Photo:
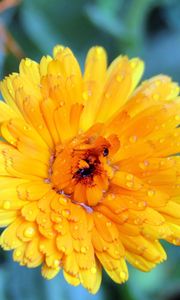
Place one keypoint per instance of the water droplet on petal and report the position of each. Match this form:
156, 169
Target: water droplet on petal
156, 96
28, 62
6, 204
99, 50
177, 117
93, 270
41, 247
129, 184
61, 103
108, 223
137, 221
129, 177
26, 127
151, 193
62, 248
85, 96
133, 139
18, 253
66, 213
29, 232
40, 127
63, 200
56, 263
119, 78
83, 250
123, 275
158, 82
133, 63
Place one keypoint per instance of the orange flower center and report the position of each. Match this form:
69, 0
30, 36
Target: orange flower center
81, 169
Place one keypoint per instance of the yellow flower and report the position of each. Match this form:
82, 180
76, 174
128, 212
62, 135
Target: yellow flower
89, 176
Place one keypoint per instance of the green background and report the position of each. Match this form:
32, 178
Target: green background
146, 28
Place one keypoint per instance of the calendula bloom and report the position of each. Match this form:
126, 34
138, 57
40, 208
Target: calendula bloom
89, 176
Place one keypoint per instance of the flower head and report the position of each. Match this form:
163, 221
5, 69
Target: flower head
89, 176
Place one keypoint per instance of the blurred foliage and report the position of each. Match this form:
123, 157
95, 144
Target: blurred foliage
146, 28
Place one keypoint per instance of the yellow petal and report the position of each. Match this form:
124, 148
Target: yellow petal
71, 279
91, 279
122, 77
49, 273
7, 217
9, 239
139, 262
94, 75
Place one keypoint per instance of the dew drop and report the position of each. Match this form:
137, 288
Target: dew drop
129, 177
44, 220
151, 193
108, 223
62, 248
27, 62
66, 213
40, 127
26, 127
6, 204
18, 253
176, 90
29, 232
63, 200
123, 275
61, 103
134, 63
137, 221
177, 117
93, 270
56, 263
156, 96
119, 78
142, 204
57, 219
83, 250
85, 96
157, 82
129, 184
60, 227
133, 139
42, 247
98, 50
144, 164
